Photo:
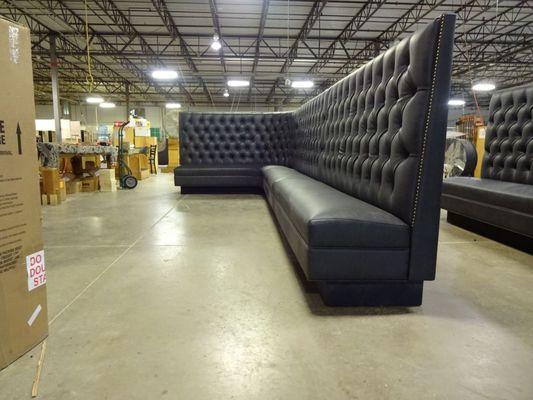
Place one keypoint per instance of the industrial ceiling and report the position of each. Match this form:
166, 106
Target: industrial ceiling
265, 41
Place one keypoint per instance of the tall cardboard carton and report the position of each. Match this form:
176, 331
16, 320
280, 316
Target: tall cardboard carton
23, 310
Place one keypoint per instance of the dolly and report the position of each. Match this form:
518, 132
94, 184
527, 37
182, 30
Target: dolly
126, 178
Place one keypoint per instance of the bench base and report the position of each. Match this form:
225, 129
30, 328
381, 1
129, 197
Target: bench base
371, 294
221, 190
509, 238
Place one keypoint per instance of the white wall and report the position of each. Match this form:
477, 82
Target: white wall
87, 114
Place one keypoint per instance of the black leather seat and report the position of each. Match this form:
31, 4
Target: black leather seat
216, 175
326, 217
219, 170
275, 173
503, 198
514, 196
353, 176
320, 220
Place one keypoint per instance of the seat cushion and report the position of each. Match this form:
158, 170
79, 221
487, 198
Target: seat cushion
275, 173
510, 195
218, 170
326, 217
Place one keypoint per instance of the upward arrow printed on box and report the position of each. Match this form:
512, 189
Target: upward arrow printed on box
19, 141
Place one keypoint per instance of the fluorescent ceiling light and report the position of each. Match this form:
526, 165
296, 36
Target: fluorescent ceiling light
107, 105
238, 83
164, 74
226, 93
216, 45
173, 105
456, 102
302, 84
484, 87
94, 100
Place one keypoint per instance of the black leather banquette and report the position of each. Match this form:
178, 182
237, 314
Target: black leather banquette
353, 176
503, 197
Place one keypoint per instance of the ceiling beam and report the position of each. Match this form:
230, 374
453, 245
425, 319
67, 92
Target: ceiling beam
347, 34
119, 19
20, 15
258, 40
216, 26
168, 21
314, 15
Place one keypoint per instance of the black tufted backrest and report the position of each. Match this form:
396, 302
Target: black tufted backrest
231, 138
509, 137
364, 134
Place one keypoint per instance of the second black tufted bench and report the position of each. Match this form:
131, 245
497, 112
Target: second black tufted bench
500, 204
353, 176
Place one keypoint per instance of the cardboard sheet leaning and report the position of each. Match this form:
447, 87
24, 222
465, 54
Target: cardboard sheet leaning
23, 310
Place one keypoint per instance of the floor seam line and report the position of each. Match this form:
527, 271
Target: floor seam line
84, 290
86, 245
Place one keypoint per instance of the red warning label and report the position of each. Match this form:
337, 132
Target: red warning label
36, 270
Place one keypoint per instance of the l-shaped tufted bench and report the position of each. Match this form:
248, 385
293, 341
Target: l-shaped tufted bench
500, 204
353, 176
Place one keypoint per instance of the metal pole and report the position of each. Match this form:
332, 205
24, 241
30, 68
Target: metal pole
55, 87
127, 101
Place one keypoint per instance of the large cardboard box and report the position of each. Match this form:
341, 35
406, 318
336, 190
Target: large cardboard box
89, 184
23, 310
106, 180
73, 187
51, 181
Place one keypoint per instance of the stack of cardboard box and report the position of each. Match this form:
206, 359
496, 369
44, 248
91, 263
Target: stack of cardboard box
53, 187
107, 181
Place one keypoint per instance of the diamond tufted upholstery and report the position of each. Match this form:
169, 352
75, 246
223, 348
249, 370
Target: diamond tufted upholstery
509, 137
362, 136
503, 197
354, 175
229, 149
221, 139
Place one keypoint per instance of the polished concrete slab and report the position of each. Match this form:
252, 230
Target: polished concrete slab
154, 295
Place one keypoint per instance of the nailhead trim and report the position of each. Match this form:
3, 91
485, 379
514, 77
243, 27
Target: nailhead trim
426, 128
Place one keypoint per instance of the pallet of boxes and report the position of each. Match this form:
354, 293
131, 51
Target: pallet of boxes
55, 186
23, 308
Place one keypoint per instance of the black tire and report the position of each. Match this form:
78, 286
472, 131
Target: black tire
129, 182
471, 158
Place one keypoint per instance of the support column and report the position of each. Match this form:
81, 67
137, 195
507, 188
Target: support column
55, 86
127, 101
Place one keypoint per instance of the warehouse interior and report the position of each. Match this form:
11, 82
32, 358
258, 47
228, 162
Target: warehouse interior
266, 199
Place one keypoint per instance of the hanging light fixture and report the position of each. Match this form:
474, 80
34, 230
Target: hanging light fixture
238, 83
226, 93
164, 74
456, 102
216, 45
485, 86
303, 84
94, 100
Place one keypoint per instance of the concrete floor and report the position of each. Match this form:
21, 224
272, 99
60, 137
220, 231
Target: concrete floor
153, 295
